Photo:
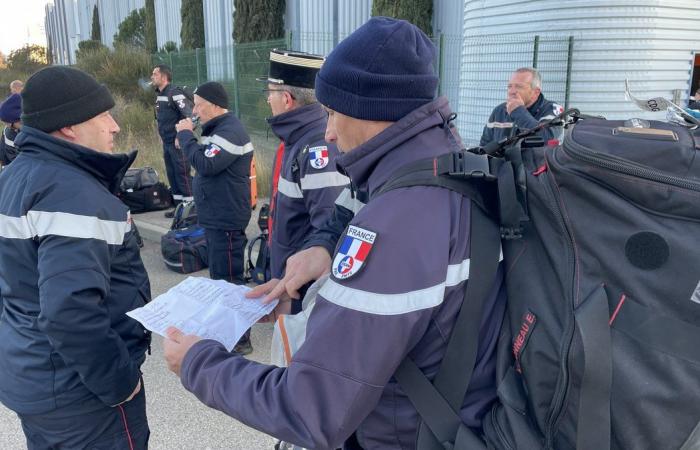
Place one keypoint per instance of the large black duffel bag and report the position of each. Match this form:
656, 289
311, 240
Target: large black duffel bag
185, 250
141, 191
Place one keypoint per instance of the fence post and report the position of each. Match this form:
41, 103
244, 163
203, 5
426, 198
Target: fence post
441, 63
535, 51
569, 57
236, 82
170, 58
289, 40
196, 61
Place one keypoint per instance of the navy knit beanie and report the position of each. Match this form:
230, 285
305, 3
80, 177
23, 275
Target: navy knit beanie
213, 92
58, 96
382, 71
11, 109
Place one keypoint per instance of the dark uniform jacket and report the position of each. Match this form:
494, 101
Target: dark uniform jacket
8, 151
171, 106
70, 269
502, 125
308, 185
400, 295
222, 183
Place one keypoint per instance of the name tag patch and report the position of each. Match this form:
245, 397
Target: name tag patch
353, 252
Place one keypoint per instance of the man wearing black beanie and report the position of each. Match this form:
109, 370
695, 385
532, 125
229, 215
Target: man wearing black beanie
222, 183
397, 280
70, 269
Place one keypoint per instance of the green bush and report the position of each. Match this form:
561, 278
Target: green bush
120, 69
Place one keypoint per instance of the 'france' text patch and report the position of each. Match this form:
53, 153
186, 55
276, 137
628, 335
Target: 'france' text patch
318, 157
353, 252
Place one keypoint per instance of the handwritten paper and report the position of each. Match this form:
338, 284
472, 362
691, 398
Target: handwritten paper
211, 309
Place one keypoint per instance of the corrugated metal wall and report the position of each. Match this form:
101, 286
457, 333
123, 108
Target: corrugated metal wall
218, 38
63, 29
447, 30
317, 25
168, 21
84, 9
112, 13
650, 42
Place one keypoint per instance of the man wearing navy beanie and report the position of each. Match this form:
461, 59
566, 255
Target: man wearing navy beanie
10, 111
397, 278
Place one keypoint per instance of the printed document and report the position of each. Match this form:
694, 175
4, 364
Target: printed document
211, 309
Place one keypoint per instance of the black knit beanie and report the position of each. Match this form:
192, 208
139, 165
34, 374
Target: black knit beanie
59, 96
213, 92
382, 71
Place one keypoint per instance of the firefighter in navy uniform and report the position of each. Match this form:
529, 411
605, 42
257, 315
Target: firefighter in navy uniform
10, 111
524, 109
305, 183
221, 183
172, 105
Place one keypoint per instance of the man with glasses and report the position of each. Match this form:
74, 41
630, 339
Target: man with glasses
305, 182
524, 109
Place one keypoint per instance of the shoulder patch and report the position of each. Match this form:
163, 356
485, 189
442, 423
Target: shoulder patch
318, 157
353, 252
557, 109
212, 151
181, 103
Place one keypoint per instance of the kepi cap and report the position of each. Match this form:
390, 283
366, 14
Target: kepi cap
293, 68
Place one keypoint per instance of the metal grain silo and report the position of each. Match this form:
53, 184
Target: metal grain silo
218, 38
649, 42
168, 21
112, 13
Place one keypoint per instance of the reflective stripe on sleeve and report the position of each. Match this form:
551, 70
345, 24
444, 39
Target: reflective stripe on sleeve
346, 200
9, 142
289, 189
178, 97
43, 223
499, 125
227, 145
323, 180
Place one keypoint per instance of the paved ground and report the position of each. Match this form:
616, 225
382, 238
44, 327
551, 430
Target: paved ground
177, 419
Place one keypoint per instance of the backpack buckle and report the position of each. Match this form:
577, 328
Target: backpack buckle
468, 165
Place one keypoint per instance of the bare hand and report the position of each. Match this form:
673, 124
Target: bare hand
514, 102
133, 394
284, 306
184, 124
302, 267
176, 346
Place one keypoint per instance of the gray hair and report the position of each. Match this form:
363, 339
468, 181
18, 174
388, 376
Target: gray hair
16, 85
302, 96
536, 82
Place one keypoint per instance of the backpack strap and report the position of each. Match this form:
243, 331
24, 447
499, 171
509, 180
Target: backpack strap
439, 403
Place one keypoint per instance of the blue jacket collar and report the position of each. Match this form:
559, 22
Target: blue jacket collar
373, 162
208, 127
292, 125
107, 168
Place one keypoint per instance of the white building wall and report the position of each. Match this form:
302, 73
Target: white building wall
168, 22
218, 38
112, 13
649, 42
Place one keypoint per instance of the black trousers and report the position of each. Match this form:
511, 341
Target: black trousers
177, 168
90, 424
225, 249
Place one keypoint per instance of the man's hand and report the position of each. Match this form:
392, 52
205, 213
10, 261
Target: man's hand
175, 348
284, 306
184, 124
307, 265
514, 102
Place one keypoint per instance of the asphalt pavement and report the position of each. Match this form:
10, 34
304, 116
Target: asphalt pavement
177, 419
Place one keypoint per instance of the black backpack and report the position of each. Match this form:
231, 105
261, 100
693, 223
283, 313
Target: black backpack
260, 270
601, 245
185, 250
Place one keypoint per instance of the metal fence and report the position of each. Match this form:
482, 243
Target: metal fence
473, 71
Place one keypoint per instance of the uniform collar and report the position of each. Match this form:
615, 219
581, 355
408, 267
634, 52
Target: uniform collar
537, 106
107, 168
373, 162
292, 125
208, 127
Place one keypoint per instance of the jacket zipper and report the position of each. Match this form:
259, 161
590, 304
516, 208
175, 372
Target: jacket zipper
560, 393
578, 151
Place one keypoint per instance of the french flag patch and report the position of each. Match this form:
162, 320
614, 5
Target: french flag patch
353, 252
318, 157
